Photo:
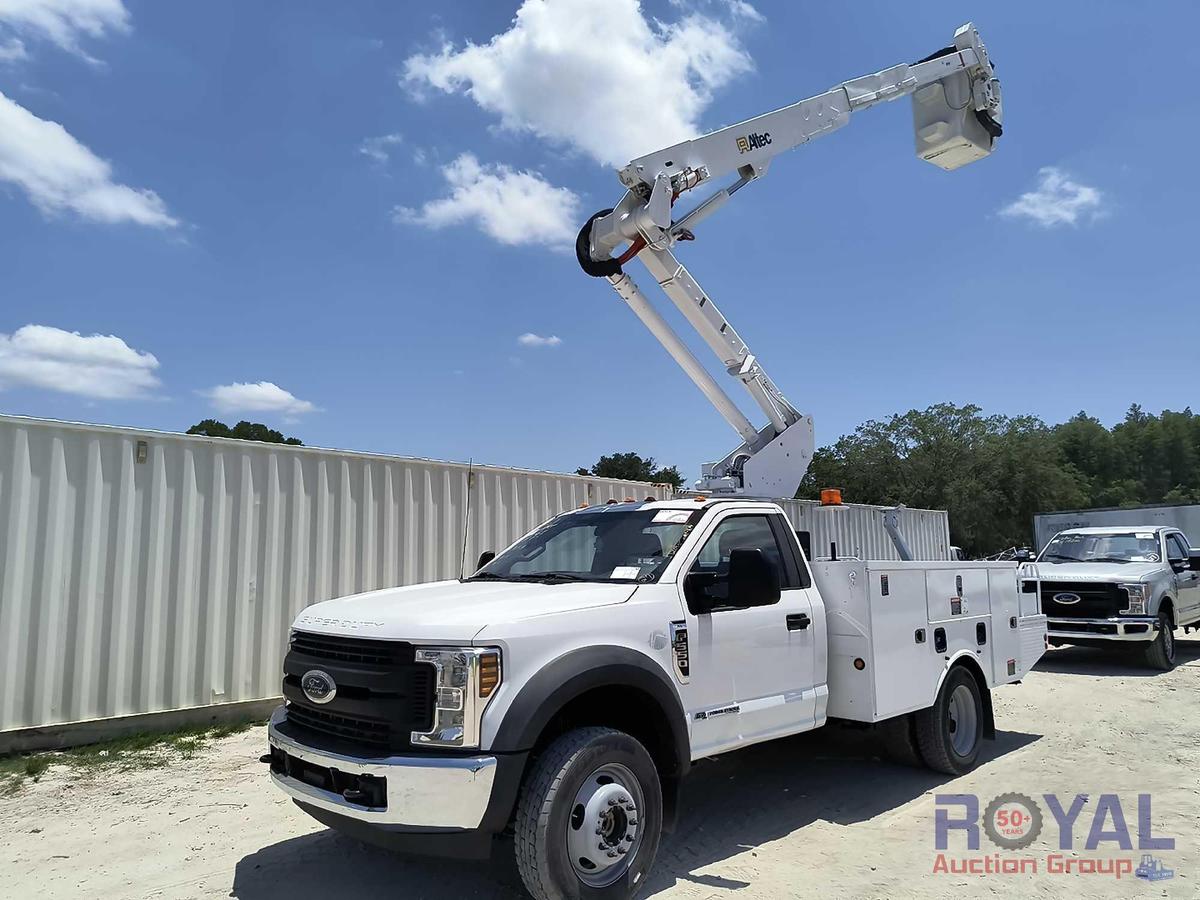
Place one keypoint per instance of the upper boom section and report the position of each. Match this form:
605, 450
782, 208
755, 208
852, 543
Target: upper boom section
963, 105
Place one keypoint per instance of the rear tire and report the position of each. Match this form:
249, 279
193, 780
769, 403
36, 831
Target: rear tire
950, 732
592, 786
1160, 654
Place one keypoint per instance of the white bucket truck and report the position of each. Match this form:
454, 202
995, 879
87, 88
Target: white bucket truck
563, 691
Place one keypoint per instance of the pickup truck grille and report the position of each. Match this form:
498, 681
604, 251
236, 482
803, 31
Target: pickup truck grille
1096, 600
383, 694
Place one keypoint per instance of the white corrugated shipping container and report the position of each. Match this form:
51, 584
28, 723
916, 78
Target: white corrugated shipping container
1185, 518
858, 530
142, 571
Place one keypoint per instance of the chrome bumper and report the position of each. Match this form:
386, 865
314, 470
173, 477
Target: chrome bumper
1114, 628
422, 791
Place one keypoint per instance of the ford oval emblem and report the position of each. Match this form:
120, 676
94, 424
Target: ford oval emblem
1066, 599
318, 686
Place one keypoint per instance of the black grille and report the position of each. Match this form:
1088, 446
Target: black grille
347, 728
351, 650
383, 694
1096, 601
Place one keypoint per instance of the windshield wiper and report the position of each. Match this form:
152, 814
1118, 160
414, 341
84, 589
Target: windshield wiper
487, 576
557, 576
1107, 559
1060, 556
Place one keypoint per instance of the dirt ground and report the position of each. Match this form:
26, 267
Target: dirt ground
814, 816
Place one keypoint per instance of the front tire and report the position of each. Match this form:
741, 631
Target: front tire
950, 733
589, 818
1160, 654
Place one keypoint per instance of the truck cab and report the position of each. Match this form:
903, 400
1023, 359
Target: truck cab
563, 690
1120, 586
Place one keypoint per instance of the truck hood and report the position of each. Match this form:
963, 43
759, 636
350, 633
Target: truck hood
452, 610
1107, 573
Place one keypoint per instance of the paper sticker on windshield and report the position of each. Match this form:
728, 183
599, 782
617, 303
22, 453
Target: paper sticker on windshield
673, 516
626, 572
1144, 536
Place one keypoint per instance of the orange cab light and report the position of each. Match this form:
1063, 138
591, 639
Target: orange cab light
831, 496
630, 500
583, 505
701, 499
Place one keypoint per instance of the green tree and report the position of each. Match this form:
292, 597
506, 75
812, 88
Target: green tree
242, 431
992, 473
632, 467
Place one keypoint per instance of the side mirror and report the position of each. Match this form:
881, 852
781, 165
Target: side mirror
1194, 561
753, 581
484, 558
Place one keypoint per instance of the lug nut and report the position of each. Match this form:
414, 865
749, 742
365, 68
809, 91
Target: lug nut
613, 801
622, 850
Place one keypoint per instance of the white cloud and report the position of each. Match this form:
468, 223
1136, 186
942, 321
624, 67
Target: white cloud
597, 76
379, 148
512, 207
13, 50
99, 366
260, 397
746, 11
59, 174
65, 22
529, 339
1058, 200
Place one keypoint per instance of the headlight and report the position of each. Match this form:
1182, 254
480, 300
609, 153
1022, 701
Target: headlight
465, 679
1139, 598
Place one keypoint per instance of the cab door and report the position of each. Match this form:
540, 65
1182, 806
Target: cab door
1187, 582
763, 658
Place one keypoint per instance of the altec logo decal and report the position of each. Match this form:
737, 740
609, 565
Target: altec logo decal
753, 141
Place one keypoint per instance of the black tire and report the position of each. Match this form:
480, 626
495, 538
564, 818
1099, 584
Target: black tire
899, 738
937, 730
545, 812
1160, 654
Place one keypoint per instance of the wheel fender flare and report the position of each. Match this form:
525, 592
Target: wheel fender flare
967, 660
574, 673
1166, 603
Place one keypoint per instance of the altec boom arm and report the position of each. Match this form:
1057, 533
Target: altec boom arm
956, 119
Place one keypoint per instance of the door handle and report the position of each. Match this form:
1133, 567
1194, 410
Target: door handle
798, 621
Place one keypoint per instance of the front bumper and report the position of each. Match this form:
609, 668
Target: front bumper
413, 792
1114, 628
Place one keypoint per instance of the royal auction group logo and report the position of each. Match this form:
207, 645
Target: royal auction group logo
1013, 822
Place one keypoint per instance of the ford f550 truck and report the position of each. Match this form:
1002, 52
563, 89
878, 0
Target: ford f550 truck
563, 691
1120, 586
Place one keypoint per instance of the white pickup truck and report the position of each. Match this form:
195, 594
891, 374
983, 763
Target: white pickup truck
563, 691
1120, 585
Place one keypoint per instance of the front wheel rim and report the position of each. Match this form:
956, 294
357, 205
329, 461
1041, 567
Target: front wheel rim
604, 827
963, 720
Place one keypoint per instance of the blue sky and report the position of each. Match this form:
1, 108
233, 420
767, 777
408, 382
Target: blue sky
341, 219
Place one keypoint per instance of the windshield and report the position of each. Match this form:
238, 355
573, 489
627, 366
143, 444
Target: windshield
604, 544
1133, 546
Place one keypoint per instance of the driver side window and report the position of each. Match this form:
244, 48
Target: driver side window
739, 533
1176, 551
